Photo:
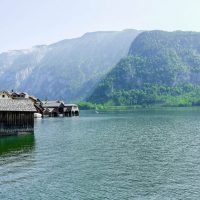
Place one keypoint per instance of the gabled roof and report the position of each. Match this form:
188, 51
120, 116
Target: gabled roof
69, 105
24, 105
52, 104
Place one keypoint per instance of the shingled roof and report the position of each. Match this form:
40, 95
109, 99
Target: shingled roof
52, 104
24, 105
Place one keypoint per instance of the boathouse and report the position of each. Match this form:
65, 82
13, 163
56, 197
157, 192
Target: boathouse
53, 108
71, 110
59, 109
16, 116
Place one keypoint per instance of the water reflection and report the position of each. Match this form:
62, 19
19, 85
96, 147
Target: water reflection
14, 144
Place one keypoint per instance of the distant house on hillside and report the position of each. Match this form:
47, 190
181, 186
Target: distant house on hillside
16, 116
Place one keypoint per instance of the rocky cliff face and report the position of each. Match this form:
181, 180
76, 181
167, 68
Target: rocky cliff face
69, 69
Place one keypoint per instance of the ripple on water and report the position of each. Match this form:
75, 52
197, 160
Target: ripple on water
144, 154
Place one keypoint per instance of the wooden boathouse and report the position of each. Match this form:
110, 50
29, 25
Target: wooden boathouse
59, 109
71, 110
16, 116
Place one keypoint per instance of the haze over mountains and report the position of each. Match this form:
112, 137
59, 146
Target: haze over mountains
69, 69
118, 67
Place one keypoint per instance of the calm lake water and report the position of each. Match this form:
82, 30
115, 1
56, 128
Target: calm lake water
143, 154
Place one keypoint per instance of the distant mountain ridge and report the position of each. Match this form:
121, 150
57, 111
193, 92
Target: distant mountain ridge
69, 69
161, 67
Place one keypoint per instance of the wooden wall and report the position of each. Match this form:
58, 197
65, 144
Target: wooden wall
12, 123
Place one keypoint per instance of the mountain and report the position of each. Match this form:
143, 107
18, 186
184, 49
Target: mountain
69, 69
160, 68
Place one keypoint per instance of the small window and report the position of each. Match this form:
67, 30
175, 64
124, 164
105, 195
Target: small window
3, 96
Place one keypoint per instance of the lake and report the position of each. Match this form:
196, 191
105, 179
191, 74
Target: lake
142, 154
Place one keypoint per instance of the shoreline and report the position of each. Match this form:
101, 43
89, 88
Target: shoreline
130, 108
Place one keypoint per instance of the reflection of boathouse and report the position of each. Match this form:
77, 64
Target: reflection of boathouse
16, 116
23, 144
59, 108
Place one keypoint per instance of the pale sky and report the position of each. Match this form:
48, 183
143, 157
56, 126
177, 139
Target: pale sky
25, 23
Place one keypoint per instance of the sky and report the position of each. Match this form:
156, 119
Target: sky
26, 23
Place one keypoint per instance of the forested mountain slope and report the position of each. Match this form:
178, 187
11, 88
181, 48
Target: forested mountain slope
161, 68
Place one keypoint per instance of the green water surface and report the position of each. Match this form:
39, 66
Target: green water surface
143, 154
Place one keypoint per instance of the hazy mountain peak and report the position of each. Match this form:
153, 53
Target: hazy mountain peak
68, 69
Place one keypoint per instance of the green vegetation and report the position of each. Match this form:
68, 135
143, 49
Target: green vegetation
185, 95
90, 106
162, 68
